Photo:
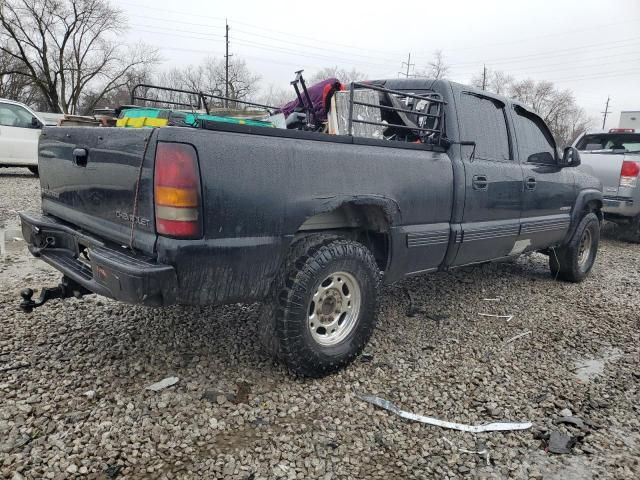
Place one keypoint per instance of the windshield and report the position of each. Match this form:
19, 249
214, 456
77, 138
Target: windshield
611, 142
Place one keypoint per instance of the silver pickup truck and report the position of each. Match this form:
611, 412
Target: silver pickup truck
614, 157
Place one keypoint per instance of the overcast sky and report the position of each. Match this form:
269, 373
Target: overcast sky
590, 47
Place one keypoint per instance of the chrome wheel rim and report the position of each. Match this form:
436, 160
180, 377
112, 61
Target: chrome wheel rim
334, 308
585, 249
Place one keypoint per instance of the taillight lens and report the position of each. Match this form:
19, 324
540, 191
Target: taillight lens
629, 174
177, 191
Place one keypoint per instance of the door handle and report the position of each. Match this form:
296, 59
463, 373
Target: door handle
480, 182
530, 183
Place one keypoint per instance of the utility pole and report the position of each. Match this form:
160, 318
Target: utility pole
484, 77
226, 65
409, 65
606, 111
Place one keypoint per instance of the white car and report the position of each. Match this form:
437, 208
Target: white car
19, 133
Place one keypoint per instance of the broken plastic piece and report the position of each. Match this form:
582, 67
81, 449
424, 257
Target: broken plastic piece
507, 317
481, 451
487, 427
523, 334
162, 384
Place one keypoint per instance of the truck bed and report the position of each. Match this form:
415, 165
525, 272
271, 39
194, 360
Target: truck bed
259, 186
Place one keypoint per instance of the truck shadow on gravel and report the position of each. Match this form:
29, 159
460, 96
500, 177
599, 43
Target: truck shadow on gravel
154, 343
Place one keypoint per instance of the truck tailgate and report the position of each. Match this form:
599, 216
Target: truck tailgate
606, 167
89, 178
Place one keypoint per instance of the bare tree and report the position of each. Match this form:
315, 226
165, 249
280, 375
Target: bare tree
209, 77
276, 96
495, 81
13, 82
242, 82
558, 108
344, 76
67, 48
119, 96
436, 68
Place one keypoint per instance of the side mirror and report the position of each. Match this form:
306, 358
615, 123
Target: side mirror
570, 157
35, 123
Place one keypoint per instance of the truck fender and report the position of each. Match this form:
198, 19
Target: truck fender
388, 206
585, 197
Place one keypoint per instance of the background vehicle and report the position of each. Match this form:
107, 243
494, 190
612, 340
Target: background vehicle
614, 157
50, 119
630, 119
308, 221
20, 129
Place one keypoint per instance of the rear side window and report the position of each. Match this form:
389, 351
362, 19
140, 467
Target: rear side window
484, 122
535, 142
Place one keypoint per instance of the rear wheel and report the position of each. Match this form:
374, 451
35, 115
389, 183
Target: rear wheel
33, 170
325, 305
574, 261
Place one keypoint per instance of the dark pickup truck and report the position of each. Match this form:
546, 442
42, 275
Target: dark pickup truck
307, 222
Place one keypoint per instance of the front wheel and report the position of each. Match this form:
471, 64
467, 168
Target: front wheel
574, 261
326, 305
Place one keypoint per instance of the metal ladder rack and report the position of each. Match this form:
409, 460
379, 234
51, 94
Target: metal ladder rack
200, 97
431, 97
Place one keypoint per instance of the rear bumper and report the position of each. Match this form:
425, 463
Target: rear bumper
105, 269
620, 207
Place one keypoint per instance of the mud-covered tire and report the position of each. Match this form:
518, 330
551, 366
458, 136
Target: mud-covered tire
33, 170
573, 261
326, 282
268, 317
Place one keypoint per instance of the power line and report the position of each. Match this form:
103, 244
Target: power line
573, 67
289, 51
173, 21
288, 35
629, 73
561, 52
504, 60
325, 41
538, 37
351, 61
315, 47
389, 73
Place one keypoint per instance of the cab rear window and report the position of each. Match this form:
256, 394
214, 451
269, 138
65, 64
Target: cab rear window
629, 142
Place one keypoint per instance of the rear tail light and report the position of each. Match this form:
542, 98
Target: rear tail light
629, 174
177, 191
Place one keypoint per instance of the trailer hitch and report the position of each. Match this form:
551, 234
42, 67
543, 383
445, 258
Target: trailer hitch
66, 289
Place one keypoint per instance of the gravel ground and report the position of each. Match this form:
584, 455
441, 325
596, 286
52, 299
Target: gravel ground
73, 378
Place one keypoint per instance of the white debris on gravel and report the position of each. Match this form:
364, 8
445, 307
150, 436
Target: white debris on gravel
485, 427
162, 384
273, 425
